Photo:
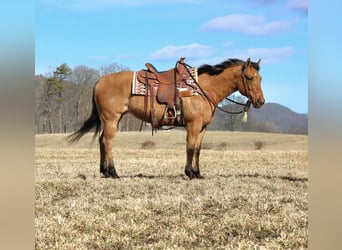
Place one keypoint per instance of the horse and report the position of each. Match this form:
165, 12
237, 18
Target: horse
112, 98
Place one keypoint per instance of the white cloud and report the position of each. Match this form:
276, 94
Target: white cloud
173, 52
247, 24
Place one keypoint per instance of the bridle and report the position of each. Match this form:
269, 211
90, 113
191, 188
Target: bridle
246, 105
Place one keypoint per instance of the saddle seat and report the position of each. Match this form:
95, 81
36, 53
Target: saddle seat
167, 76
167, 81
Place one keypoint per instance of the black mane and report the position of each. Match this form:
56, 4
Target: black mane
218, 68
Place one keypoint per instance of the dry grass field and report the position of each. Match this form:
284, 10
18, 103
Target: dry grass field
254, 194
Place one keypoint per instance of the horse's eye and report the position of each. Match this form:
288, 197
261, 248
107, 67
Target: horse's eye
249, 78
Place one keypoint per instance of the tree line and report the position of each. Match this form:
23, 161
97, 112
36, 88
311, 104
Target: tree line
63, 97
63, 101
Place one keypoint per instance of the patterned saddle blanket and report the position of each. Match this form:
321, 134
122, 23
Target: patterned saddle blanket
185, 88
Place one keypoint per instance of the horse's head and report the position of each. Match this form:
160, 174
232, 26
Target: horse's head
250, 85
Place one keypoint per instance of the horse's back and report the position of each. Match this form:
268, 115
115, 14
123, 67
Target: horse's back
118, 82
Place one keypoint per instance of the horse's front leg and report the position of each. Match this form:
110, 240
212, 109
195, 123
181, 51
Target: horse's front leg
188, 166
193, 148
196, 168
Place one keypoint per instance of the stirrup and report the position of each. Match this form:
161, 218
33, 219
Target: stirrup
170, 117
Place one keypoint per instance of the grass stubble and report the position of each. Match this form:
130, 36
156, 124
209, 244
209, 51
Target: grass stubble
250, 198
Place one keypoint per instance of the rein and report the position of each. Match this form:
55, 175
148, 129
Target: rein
246, 105
245, 109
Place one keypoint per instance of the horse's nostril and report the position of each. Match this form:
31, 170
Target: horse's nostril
261, 101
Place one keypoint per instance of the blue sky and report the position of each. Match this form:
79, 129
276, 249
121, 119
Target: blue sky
132, 32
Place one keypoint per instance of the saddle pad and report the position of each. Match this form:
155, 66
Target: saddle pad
138, 88
188, 89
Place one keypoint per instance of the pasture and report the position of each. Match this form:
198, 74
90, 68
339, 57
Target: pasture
254, 194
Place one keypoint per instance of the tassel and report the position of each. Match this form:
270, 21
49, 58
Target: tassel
244, 118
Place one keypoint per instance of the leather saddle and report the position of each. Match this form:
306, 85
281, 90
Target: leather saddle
167, 81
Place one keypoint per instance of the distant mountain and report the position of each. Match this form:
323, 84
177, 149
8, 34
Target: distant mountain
283, 118
272, 117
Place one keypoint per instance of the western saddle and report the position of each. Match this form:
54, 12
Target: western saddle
166, 84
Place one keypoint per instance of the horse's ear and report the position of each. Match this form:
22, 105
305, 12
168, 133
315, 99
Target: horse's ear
248, 62
258, 62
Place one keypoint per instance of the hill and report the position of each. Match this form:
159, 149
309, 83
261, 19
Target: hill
272, 117
283, 118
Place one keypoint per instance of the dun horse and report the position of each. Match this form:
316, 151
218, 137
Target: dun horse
112, 97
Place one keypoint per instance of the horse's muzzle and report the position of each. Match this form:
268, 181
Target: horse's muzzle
258, 102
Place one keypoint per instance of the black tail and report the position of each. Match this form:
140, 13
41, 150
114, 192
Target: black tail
89, 124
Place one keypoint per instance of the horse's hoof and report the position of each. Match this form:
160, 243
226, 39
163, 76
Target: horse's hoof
191, 174
198, 175
113, 173
105, 173
188, 173
108, 172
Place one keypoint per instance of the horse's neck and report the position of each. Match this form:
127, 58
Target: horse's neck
222, 85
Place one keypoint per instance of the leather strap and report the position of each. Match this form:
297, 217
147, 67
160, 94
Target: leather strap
153, 113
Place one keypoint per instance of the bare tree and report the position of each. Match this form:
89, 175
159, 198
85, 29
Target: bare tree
82, 79
49, 99
83, 75
40, 116
112, 68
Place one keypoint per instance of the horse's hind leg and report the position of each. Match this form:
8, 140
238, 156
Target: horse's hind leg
107, 167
